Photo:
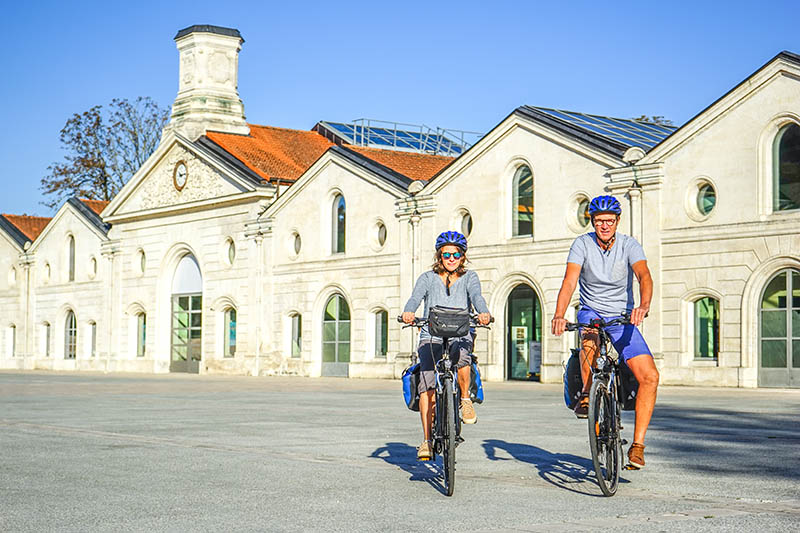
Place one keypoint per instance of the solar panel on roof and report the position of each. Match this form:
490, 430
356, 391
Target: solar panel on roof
389, 135
626, 131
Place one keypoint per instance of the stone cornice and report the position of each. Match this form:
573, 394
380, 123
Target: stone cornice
109, 249
649, 176
423, 206
258, 228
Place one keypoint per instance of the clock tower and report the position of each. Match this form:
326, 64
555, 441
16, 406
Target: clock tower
208, 93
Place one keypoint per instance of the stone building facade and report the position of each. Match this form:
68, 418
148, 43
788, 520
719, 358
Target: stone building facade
240, 248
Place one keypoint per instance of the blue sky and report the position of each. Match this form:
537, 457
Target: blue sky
462, 65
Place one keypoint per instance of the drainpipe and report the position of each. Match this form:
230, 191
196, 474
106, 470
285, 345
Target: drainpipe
260, 312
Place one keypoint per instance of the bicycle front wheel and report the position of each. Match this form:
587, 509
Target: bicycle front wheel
449, 448
604, 438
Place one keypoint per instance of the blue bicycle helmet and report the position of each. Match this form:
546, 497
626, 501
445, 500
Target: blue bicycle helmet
451, 237
604, 204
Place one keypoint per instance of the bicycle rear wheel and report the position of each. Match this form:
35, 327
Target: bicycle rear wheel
449, 447
604, 438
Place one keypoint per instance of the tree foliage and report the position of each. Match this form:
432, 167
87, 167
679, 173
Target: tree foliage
655, 119
105, 147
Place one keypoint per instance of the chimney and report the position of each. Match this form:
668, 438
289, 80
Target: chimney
208, 92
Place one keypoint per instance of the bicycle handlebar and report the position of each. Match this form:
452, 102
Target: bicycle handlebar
420, 321
596, 323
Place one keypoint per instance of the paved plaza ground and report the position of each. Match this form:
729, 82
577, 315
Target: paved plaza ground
86, 452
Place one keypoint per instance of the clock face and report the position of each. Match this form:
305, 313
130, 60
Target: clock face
180, 175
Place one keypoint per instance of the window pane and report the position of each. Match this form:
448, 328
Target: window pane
381, 333
339, 221
195, 333
775, 293
197, 320
344, 352
706, 327
706, 198
796, 323
523, 201
795, 288
183, 303
583, 213
328, 331
180, 320
344, 331
297, 328
788, 168
329, 352
344, 311
330, 309
197, 302
180, 353
773, 354
773, 323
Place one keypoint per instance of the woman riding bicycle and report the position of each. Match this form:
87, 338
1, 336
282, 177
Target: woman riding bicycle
447, 284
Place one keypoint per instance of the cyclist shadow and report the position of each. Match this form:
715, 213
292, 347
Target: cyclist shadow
564, 470
404, 456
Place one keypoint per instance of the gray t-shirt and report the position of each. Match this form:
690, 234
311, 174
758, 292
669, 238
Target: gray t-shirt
606, 280
465, 292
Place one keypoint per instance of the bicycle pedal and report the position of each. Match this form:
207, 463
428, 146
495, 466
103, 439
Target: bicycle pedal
624, 441
459, 439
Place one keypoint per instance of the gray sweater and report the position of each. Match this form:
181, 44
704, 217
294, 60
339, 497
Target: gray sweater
465, 293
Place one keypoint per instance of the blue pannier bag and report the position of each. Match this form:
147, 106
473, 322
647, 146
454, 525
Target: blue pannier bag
410, 380
573, 381
475, 384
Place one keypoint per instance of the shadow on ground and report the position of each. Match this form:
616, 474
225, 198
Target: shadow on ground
404, 456
564, 470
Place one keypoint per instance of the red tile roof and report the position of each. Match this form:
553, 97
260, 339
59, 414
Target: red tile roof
95, 205
410, 164
30, 226
274, 153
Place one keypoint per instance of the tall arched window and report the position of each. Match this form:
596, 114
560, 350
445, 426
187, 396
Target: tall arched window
786, 170
522, 207
71, 246
339, 224
780, 328
336, 334
381, 333
230, 332
706, 328
70, 336
297, 334
141, 334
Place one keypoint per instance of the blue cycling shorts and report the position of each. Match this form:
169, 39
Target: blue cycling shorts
627, 340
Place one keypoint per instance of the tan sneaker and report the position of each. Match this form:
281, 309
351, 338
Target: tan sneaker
468, 415
636, 456
424, 451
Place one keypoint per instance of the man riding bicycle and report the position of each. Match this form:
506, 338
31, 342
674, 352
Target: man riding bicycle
604, 262
448, 284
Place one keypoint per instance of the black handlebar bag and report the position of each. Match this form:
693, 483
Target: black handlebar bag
448, 322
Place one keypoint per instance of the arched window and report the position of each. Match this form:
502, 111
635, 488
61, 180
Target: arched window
230, 332
297, 334
381, 333
780, 322
786, 170
339, 223
706, 328
522, 207
70, 336
141, 334
187, 316
71, 246
336, 331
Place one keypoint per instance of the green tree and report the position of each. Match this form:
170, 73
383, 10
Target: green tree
105, 147
655, 119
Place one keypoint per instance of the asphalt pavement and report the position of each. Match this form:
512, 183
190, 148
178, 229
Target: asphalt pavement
125, 452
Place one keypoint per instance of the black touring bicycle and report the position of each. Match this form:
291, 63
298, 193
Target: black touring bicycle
447, 323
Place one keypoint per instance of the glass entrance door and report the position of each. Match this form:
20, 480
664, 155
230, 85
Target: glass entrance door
187, 322
336, 338
779, 328
524, 334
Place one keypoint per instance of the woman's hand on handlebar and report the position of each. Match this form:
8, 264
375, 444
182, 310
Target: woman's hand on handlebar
408, 318
484, 319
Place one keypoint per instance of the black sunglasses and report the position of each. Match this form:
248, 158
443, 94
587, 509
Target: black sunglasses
448, 255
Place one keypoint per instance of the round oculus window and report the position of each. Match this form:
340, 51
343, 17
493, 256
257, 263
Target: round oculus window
142, 261
298, 243
381, 233
466, 224
231, 251
706, 198
582, 212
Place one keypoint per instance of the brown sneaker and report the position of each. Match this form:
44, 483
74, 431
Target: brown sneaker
468, 412
582, 407
636, 456
424, 451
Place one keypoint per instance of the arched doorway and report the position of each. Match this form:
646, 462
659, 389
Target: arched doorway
186, 316
336, 337
779, 331
524, 334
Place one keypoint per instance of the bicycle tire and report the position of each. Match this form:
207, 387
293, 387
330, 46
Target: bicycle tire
604, 440
449, 448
